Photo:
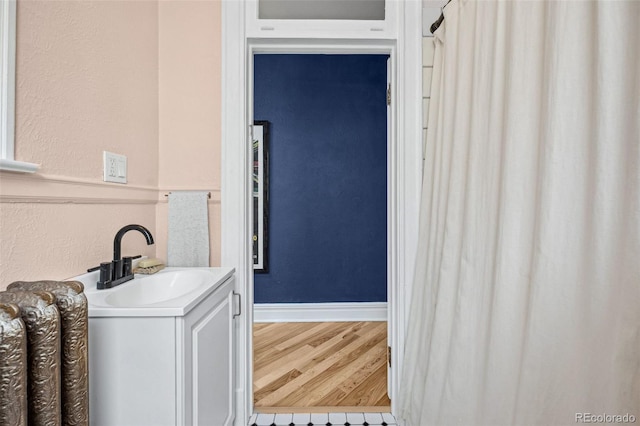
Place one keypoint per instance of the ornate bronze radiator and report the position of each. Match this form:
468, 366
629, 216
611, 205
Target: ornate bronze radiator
54, 315
13, 366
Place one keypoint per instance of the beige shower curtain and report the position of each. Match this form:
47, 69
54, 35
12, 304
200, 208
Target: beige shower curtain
526, 299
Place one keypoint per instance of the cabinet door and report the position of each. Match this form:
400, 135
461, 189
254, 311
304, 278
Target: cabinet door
132, 372
209, 360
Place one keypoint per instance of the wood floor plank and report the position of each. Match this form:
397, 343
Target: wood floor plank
332, 330
366, 393
259, 393
317, 395
269, 372
303, 338
320, 366
384, 400
366, 369
317, 332
351, 334
282, 334
315, 383
298, 358
258, 326
318, 379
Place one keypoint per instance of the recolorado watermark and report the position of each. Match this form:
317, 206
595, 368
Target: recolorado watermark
605, 418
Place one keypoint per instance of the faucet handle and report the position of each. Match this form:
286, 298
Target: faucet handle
106, 275
127, 265
127, 268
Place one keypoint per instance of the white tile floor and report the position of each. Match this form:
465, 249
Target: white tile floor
322, 419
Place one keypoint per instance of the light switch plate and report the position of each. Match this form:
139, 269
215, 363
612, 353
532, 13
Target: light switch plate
115, 167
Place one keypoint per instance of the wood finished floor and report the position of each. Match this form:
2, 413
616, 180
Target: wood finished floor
320, 366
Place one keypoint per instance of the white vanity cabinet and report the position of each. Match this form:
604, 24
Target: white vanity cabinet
151, 366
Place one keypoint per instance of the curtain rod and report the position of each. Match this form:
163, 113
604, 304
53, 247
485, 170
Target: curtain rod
437, 24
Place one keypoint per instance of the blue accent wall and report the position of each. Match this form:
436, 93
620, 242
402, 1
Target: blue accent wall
328, 193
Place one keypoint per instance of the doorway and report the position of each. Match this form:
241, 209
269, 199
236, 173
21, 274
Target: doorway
327, 219
403, 44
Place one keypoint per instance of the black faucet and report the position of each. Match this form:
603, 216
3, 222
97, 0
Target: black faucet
118, 239
120, 270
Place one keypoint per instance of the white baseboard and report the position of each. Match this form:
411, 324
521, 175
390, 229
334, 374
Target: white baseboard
320, 312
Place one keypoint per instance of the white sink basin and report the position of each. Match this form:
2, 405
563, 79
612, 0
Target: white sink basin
170, 292
160, 287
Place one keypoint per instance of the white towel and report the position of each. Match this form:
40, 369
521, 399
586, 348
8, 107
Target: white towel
188, 240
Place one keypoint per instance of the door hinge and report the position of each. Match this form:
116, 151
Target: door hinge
389, 355
389, 94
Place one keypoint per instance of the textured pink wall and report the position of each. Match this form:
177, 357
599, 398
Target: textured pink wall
57, 241
86, 81
189, 107
139, 78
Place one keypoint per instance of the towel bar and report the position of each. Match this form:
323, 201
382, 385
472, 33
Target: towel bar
208, 195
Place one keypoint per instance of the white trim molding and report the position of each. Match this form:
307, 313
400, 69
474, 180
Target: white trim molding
7, 77
235, 248
52, 189
404, 44
8, 90
320, 312
18, 166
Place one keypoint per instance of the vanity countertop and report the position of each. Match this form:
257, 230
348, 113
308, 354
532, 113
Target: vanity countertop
173, 291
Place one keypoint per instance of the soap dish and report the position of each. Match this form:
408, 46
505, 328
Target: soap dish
148, 270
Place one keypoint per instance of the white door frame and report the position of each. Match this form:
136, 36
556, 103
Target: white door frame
404, 170
382, 47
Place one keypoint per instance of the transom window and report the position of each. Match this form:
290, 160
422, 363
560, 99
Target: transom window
357, 10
